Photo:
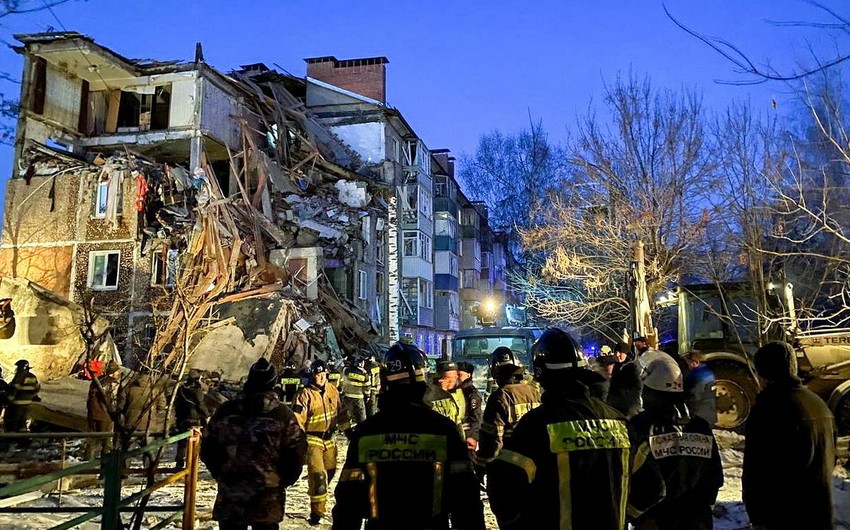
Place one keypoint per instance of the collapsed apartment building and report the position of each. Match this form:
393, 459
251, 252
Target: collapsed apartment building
136, 181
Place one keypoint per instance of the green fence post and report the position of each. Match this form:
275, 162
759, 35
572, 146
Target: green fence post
112, 462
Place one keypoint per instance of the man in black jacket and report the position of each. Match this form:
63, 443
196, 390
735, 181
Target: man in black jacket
474, 404
570, 462
790, 450
254, 449
407, 466
684, 449
190, 410
624, 387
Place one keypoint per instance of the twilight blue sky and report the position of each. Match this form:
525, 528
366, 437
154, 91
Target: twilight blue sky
459, 68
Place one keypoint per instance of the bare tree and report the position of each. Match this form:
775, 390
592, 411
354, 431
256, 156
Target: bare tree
514, 173
642, 177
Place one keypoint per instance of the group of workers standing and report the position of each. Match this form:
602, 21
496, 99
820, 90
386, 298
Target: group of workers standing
563, 447
569, 448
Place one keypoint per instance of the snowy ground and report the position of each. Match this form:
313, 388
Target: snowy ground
729, 511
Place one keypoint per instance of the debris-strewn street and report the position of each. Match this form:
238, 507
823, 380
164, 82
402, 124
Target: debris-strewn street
729, 511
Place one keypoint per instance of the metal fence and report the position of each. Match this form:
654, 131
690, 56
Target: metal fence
112, 467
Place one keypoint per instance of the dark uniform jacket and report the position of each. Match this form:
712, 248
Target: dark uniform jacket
504, 409
624, 388
474, 409
407, 468
443, 402
570, 464
788, 459
254, 449
190, 407
689, 461
699, 387
24, 388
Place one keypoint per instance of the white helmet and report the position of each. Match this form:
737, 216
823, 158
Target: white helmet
663, 374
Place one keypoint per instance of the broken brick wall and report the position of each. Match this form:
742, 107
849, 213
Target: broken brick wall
39, 229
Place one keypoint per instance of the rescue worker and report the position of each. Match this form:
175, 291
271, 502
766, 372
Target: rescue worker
790, 451
319, 412
407, 466
335, 374
684, 449
699, 388
624, 386
641, 345
473, 405
355, 388
254, 450
290, 383
23, 391
374, 369
441, 396
567, 464
513, 398
100, 401
190, 410
142, 402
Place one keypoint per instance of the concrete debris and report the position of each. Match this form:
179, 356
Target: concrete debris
353, 193
44, 329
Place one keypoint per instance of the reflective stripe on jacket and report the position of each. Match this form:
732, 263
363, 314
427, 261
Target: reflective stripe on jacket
24, 388
356, 381
407, 467
572, 463
318, 410
505, 407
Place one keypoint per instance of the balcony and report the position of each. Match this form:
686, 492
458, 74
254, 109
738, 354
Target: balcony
470, 232
444, 204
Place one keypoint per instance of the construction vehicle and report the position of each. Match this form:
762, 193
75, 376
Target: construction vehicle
475, 346
728, 321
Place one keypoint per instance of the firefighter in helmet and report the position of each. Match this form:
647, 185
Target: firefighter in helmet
505, 406
319, 412
407, 466
570, 462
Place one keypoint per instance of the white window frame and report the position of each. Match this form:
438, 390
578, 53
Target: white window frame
425, 247
362, 291
102, 192
425, 203
93, 256
414, 236
426, 288
172, 267
366, 229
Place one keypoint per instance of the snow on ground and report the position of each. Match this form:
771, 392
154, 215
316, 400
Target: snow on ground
729, 511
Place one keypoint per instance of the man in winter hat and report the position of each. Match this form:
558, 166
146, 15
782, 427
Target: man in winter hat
790, 450
254, 449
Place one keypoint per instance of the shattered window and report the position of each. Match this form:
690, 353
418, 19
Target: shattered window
364, 286
425, 202
441, 186
411, 196
164, 268
425, 247
411, 244
380, 251
425, 294
102, 196
103, 270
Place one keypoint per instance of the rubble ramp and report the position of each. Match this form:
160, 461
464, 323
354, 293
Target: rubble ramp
63, 403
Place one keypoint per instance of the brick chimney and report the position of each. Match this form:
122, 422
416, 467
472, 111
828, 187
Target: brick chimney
367, 77
446, 160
